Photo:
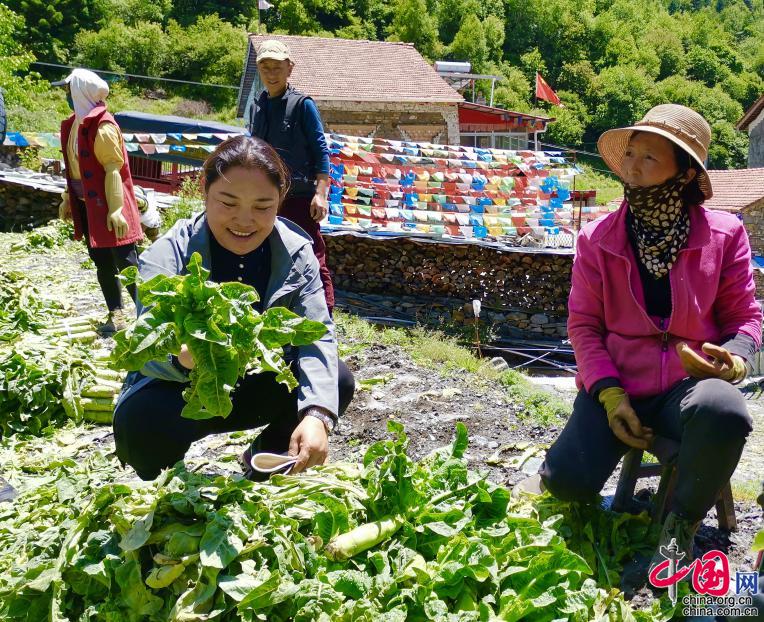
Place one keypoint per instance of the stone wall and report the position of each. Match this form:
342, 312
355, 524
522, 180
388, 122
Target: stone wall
528, 290
437, 123
753, 219
758, 278
9, 155
23, 207
756, 145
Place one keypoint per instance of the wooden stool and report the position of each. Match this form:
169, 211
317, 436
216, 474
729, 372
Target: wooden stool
666, 450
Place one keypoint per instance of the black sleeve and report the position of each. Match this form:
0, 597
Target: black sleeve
605, 383
742, 345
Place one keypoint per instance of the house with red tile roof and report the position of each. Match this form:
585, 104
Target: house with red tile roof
386, 89
741, 192
753, 123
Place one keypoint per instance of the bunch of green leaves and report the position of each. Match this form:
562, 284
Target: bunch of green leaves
40, 387
53, 235
22, 307
81, 545
217, 322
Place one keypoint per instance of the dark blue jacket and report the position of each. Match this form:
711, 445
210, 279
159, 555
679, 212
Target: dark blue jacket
292, 125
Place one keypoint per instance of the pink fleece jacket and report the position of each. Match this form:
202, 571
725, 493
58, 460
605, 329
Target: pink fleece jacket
712, 295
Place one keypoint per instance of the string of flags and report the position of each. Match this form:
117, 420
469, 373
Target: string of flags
446, 190
414, 188
149, 143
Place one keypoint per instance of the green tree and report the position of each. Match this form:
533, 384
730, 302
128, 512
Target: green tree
209, 51
624, 94
705, 66
493, 27
578, 77
532, 62
52, 24
570, 122
667, 45
140, 49
450, 14
237, 12
513, 92
714, 104
470, 43
293, 18
745, 87
357, 29
132, 12
14, 59
412, 23
729, 148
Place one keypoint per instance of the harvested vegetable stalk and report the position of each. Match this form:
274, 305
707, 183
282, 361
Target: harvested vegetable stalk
101, 390
362, 538
101, 404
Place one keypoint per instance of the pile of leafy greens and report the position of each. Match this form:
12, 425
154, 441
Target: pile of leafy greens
58, 233
22, 308
226, 336
81, 545
40, 387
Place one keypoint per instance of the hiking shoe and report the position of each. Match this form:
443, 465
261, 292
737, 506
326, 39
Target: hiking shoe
676, 542
114, 323
118, 319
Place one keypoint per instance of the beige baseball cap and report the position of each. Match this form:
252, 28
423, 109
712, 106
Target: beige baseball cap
277, 50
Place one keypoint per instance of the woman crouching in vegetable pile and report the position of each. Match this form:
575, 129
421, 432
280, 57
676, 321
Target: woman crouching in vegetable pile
240, 240
662, 318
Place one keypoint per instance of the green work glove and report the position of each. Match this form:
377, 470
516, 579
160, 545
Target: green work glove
724, 364
623, 420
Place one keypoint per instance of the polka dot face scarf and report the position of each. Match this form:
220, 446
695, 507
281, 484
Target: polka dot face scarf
660, 223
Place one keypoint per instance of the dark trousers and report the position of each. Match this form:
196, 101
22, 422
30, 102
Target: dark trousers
708, 417
151, 435
109, 262
297, 209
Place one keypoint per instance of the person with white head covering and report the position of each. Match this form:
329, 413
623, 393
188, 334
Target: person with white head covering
99, 196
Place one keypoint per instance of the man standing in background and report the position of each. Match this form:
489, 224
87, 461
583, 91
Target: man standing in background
289, 121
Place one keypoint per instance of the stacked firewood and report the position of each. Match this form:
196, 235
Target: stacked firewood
536, 282
23, 207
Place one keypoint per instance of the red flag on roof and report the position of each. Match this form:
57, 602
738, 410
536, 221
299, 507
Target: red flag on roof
545, 92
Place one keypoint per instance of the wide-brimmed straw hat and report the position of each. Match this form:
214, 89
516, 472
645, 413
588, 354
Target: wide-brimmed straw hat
681, 125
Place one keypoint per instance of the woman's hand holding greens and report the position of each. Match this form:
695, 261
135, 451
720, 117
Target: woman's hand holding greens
185, 357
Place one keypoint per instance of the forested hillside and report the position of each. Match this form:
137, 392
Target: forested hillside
609, 61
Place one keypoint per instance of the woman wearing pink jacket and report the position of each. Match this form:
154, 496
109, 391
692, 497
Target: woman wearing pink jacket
663, 322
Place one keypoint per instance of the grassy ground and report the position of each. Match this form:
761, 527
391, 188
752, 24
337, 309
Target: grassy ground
443, 353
